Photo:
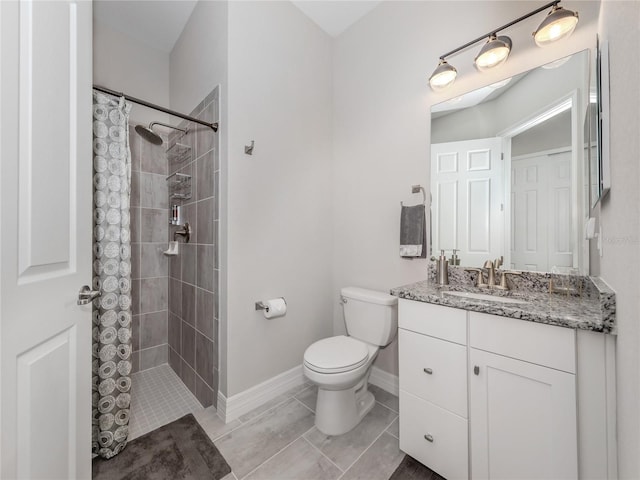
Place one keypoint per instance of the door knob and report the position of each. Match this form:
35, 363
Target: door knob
86, 295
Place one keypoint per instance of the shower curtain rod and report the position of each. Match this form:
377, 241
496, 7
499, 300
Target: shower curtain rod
213, 126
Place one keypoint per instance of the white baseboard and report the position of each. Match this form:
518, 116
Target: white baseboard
231, 408
385, 380
237, 405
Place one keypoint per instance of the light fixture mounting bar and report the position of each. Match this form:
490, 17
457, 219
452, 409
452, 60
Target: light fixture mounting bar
496, 30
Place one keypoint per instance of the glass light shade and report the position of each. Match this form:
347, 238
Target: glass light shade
559, 24
493, 53
443, 76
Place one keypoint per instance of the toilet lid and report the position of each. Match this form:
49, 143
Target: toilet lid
336, 354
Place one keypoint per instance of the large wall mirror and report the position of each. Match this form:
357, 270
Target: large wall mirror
510, 170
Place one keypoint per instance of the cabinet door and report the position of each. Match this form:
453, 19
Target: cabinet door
522, 419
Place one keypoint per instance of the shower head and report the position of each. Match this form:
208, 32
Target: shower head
150, 136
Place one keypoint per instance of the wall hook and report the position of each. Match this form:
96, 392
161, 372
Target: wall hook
248, 149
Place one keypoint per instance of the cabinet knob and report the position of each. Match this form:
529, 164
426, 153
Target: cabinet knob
476, 370
428, 437
428, 371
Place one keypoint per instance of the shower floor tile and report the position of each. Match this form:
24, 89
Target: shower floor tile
158, 397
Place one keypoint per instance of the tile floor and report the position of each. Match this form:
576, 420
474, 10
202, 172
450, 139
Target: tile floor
158, 397
277, 440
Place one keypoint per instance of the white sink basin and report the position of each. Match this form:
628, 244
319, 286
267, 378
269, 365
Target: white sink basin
482, 296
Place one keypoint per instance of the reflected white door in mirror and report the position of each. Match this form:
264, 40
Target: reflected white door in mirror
468, 214
541, 211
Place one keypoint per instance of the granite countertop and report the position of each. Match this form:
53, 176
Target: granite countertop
588, 303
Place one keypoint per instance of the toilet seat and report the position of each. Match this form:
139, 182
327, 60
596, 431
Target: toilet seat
336, 355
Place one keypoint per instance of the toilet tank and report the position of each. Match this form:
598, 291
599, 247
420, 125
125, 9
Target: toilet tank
369, 315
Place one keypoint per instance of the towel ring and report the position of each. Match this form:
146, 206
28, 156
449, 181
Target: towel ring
418, 189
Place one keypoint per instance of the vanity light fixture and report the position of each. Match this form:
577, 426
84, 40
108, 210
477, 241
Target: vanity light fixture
443, 76
493, 53
559, 23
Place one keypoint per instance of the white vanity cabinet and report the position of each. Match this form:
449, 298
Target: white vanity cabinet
522, 399
488, 397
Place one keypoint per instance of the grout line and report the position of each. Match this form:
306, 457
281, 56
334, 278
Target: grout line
193, 284
215, 439
266, 411
278, 452
305, 406
387, 430
258, 416
388, 408
149, 348
321, 453
370, 445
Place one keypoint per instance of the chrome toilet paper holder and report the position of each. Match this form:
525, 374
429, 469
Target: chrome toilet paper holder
260, 305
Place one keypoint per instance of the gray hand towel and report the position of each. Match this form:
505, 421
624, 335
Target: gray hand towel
413, 241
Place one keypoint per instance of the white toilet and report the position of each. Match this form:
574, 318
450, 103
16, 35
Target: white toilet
341, 365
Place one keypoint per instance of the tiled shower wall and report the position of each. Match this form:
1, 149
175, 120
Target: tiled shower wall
193, 274
149, 270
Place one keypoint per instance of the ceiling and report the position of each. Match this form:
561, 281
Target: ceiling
335, 16
159, 23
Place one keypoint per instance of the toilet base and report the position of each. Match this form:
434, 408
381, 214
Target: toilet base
338, 411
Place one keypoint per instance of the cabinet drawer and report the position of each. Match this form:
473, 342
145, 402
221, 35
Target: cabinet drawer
537, 343
434, 320
446, 384
447, 454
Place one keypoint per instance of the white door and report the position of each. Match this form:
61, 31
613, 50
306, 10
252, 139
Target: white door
522, 419
467, 191
541, 212
45, 242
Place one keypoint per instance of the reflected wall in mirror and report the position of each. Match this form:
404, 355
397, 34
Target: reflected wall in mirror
509, 170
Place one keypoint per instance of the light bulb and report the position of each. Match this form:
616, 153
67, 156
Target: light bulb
560, 23
443, 76
494, 53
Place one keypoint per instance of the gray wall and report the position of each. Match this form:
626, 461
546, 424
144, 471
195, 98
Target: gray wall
620, 219
193, 284
149, 216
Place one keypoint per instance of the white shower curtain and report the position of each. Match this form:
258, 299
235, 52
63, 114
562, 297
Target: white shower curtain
111, 396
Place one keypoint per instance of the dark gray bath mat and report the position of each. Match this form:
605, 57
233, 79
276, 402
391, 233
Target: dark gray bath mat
178, 451
410, 469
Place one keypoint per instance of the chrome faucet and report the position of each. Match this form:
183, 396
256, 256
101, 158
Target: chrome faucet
503, 282
491, 281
